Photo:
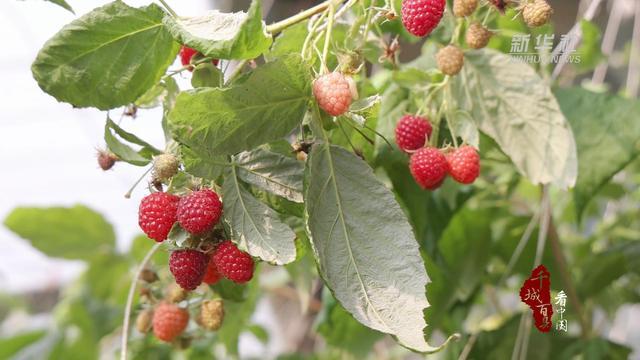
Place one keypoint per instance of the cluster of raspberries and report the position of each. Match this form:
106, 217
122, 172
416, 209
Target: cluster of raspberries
196, 213
429, 165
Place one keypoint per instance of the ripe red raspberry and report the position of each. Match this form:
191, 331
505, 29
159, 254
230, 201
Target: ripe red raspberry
412, 132
199, 211
186, 53
420, 17
232, 263
464, 164
188, 267
157, 214
333, 93
211, 275
169, 321
429, 167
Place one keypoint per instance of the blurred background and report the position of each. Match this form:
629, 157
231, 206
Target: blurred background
48, 157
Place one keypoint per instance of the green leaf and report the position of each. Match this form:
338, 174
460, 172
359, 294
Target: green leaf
260, 333
208, 167
511, 103
339, 329
141, 245
265, 107
106, 58
254, 226
273, 172
590, 47
230, 290
465, 247
607, 133
364, 246
12, 345
237, 317
63, 4
71, 233
601, 269
207, 75
290, 40
124, 151
222, 35
158, 94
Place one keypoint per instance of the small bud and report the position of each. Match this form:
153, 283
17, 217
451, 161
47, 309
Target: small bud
106, 159
165, 166
211, 314
301, 156
175, 293
143, 321
148, 275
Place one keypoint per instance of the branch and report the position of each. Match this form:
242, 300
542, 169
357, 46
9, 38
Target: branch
281, 25
132, 290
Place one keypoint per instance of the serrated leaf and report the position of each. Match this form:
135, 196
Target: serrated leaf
79, 64
63, 4
511, 103
223, 35
124, 151
364, 246
272, 172
607, 132
70, 233
265, 107
207, 167
254, 226
158, 94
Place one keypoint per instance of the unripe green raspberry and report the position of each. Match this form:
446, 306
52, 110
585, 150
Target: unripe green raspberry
478, 36
450, 60
165, 166
536, 13
462, 8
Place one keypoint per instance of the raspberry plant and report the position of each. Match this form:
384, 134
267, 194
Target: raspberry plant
279, 154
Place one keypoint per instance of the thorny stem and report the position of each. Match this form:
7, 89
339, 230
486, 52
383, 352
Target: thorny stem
367, 25
169, 9
127, 309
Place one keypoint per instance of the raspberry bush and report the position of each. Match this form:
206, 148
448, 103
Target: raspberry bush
390, 195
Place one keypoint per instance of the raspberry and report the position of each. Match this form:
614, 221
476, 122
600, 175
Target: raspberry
199, 211
174, 293
169, 321
106, 159
450, 60
232, 263
211, 275
143, 321
462, 8
478, 36
501, 5
412, 132
464, 164
188, 267
333, 92
149, 276
165, 166
157, 214
211, 314
537, 13
429, 167
186, 53
420, 17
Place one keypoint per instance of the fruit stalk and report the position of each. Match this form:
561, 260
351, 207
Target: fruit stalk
281, 25
127, 309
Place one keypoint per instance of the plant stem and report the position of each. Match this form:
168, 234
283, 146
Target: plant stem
187, 67
327, 39
127, 309
128, 194
237, 70
281, 25
169, 9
